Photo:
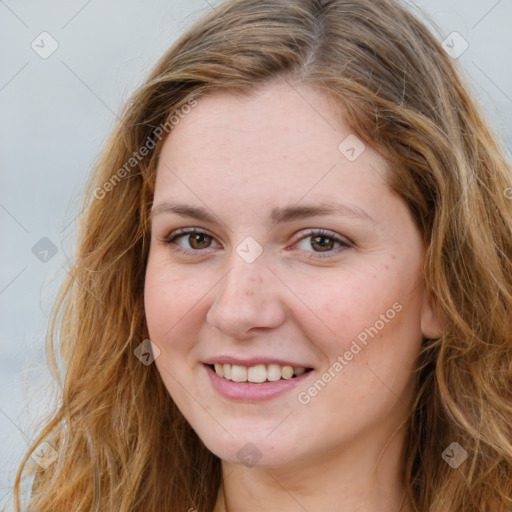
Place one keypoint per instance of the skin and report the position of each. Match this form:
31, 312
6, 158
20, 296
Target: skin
239, 157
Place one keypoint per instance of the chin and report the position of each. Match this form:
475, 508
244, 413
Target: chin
253, 449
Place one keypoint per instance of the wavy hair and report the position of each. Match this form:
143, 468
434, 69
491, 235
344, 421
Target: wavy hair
122, 443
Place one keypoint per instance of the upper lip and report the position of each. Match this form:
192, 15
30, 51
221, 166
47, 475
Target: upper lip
253, 361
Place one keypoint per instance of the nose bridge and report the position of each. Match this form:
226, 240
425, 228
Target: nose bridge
247, 296
248, 270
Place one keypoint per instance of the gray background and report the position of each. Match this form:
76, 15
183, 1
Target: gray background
55, 116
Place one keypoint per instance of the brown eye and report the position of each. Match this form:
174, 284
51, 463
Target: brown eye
198, 240
325, 243
194, 240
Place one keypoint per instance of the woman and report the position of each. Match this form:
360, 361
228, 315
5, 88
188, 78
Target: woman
293, 286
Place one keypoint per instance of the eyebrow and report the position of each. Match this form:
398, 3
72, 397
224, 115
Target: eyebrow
285, 214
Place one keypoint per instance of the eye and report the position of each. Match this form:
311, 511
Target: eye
197, 239
324, 241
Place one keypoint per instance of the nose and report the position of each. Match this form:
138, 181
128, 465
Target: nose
246, 299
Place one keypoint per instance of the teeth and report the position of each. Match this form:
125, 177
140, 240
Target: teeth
287, 372
238, 373
273, 372
219, 368
257, 374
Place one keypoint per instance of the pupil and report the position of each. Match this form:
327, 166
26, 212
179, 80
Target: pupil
197, 238
322, 238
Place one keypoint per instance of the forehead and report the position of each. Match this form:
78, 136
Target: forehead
277, 122
282, 144
275, 116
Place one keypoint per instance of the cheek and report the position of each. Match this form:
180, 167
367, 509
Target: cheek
371, 357
371, 318
343, 303
170, 299
170, 304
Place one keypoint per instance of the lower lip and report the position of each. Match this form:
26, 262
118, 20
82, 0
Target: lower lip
250, 392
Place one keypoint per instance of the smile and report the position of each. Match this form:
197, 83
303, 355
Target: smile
257, 374
255, 383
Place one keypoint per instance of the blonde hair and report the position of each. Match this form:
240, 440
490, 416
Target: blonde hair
122, 443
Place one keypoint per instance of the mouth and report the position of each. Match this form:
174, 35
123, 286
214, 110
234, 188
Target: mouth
257, 374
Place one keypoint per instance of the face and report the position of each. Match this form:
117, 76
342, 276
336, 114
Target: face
263, 279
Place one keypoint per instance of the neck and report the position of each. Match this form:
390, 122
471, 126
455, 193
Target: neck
349, 479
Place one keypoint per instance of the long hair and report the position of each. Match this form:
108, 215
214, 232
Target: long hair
121, 442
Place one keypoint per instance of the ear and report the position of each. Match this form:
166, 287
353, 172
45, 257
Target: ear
432, 324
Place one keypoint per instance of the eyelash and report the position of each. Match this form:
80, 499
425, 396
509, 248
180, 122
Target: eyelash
314, 232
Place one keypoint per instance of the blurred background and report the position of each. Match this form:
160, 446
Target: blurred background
66, 68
